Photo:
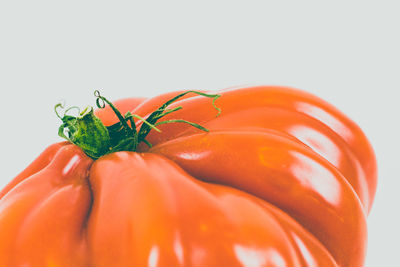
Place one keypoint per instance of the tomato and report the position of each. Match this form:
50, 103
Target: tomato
281, 178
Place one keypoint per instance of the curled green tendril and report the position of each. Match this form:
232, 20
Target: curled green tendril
163, 111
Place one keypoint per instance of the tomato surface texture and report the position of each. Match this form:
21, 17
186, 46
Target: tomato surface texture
282, 178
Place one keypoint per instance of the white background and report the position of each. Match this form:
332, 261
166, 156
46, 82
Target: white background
346, 52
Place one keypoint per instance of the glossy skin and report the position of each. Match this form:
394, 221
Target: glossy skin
281, 179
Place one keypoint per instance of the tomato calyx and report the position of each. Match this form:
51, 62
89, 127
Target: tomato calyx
89, 133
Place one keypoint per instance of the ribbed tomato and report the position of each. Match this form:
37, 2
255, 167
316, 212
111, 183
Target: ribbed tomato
282, 178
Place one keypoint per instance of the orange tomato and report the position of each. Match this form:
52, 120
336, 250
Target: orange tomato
282, 178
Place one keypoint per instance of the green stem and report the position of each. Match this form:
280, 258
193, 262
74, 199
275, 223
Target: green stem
89, 133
